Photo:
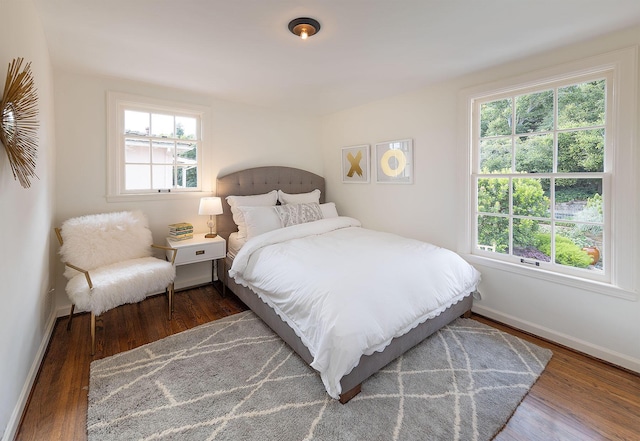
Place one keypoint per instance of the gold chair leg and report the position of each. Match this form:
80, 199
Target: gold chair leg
73, 306
170, 292
93, 333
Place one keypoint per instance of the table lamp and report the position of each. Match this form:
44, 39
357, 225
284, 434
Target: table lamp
211, 206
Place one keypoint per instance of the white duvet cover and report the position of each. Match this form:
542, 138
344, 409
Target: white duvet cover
348, 291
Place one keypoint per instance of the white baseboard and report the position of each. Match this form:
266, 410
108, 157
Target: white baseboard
63, 311
16, 416
605, 354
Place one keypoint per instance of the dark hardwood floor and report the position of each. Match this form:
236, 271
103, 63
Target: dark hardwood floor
576, 398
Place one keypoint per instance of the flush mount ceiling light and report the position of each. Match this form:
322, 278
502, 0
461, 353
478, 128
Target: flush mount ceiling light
304, 27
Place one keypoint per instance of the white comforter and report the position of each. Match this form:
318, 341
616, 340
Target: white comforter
348, 291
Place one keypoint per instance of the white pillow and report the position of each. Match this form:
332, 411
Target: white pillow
259, 200
328, 210
259, 220
294, 214
299, 198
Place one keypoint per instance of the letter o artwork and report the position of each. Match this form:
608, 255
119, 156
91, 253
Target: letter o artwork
394, 162
400, 159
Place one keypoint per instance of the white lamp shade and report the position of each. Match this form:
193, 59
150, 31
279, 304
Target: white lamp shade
210, 206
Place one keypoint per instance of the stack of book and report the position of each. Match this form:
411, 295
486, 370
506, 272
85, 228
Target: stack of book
181, 231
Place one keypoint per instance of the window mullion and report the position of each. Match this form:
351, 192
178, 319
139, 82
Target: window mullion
175, 164
151, 140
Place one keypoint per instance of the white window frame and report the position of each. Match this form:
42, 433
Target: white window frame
117, 103
620, 277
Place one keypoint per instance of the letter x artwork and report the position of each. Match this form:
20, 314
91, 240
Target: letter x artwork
355, 164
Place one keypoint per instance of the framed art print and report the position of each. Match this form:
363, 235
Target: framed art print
394, 162
355, 164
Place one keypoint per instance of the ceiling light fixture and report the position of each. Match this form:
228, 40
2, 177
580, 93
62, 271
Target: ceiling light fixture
304, 27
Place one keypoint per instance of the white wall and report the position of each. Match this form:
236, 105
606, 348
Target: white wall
604, 326
242, 137
26, 317
423, 210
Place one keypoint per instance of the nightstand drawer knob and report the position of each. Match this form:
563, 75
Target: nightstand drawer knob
199, 252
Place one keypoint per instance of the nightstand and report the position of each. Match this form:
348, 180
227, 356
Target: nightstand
199, 249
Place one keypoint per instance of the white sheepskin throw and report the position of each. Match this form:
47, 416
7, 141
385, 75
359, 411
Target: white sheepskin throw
116, 250
119, 283
102, 239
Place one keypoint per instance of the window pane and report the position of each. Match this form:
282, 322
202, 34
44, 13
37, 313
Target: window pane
531, 197
581, 151
590, 219
493, 233
594, 247
587, 238
569, 250
192, 177
162, 177
180, 177
162, 126
534, 154
136, 123
493, 195
534, 112
187, 161
581, 105
495, 155
579, 199
136, 150
186, 128
187, 177
186, 152
137, 177
162, 152
496, 118
528, 234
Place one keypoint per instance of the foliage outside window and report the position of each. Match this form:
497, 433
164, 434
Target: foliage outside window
540, 177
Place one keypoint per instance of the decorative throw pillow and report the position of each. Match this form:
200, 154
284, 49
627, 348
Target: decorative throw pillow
260, 220
258, 200
294, 214
299, 198
329, 210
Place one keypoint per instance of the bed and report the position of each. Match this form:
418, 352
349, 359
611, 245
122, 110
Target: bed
292, 181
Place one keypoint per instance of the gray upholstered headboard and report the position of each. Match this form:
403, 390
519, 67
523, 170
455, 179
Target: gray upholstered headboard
262, 180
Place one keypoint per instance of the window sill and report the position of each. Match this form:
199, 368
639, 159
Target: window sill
158, 196
576, 282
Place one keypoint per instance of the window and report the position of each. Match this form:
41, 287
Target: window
154, 147
546, 172
540, 181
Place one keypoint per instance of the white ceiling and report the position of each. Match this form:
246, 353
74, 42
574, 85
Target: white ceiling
241, 50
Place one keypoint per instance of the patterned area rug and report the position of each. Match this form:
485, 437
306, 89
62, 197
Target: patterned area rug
234, 379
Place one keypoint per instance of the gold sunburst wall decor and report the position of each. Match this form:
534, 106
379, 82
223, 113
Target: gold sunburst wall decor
18, 122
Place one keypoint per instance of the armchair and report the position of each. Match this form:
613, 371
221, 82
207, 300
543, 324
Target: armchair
108, 262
